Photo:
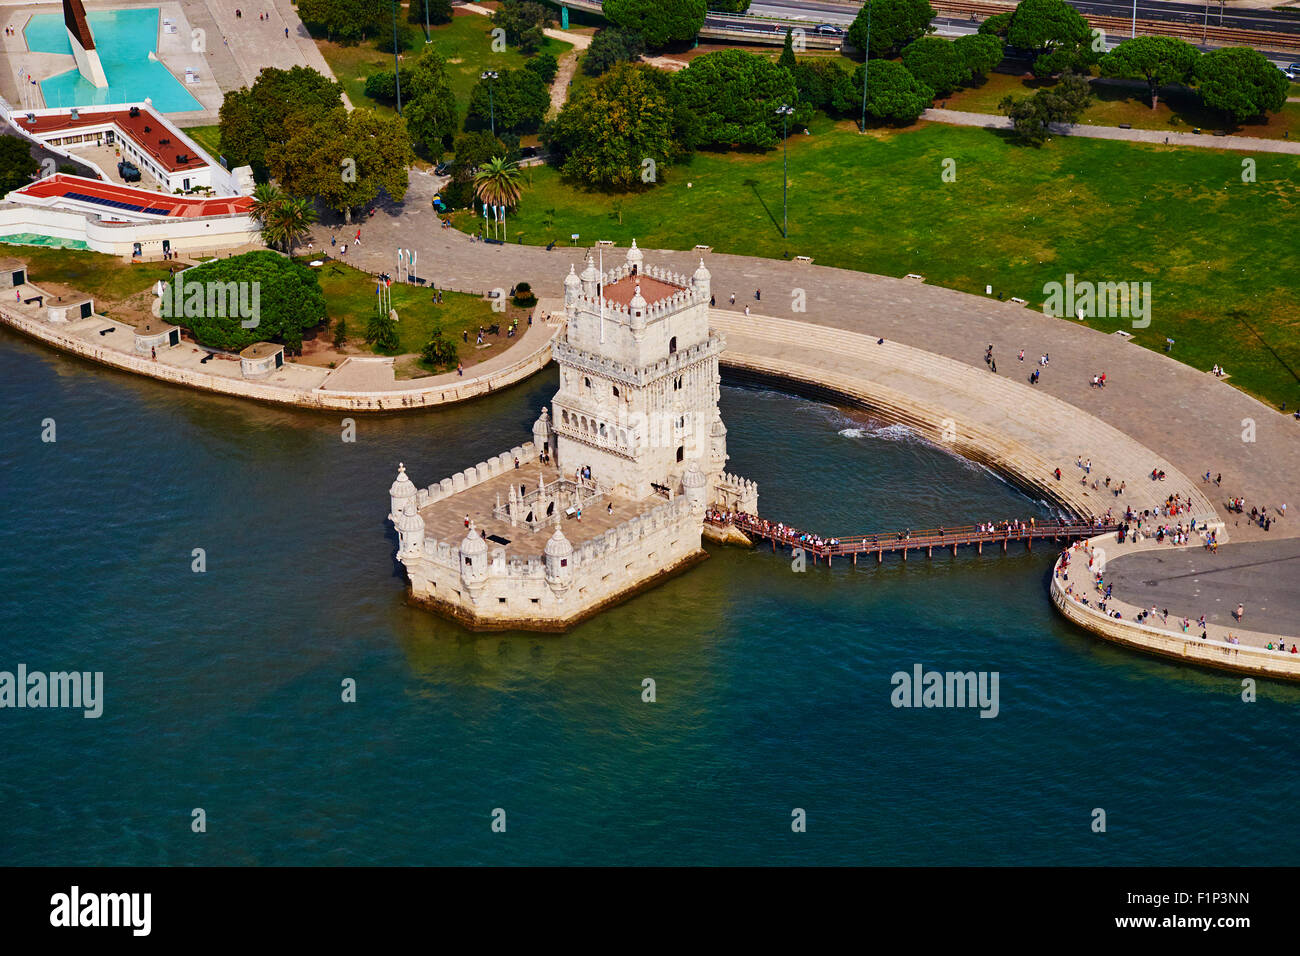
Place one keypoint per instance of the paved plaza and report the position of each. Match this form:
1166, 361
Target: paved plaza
1193, 581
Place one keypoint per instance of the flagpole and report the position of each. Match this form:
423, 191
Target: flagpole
600, 291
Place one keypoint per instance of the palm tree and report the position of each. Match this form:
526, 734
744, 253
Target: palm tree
266, 196
283, 218
498, 183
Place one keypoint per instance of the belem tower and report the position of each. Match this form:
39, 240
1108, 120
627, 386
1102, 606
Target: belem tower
609, 497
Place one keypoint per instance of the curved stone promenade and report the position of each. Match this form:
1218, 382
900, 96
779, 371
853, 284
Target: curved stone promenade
1187, 417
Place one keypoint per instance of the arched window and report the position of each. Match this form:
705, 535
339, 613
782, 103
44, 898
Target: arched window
681, 452
586, 381
616, 391
602, 431
677, 383
672, 345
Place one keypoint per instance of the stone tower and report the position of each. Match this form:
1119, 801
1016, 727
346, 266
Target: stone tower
638, 397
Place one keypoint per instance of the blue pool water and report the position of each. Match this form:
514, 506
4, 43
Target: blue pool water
124, 39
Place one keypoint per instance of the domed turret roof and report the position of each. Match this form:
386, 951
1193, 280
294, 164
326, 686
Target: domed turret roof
410, 520
403, 487
693, 478
558, 546
572, 280
637, 301
590, 274
634, 255
701, 272
473, 543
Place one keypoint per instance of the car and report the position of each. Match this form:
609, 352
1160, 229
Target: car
528, 152
829, 29
128, 172
1292, 71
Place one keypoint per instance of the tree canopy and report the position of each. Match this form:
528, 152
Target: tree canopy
288, 300
1158, 60
345, 20
980, 53
734, 96
894, 24
255, 118
16, 164
1056, 32
440, 11
607, 132
344, 159
894, 95
1241, 82
1032, 116
518, 99
817, 79
609, 47
660, 22
937, 63
523, 21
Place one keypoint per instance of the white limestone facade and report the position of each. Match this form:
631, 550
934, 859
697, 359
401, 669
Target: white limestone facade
610, 495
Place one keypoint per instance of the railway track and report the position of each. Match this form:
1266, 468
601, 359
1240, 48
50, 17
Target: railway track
1121, 26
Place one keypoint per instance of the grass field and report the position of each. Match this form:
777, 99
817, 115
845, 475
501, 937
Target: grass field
109, 279
209, 137
350, 294
465, 43
1221, 254
1178, 109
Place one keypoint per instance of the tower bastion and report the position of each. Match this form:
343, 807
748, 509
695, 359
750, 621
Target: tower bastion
609, 496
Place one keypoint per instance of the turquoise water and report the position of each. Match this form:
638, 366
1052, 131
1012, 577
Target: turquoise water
773, 687
124, 39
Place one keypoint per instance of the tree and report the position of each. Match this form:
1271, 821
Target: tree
439, 11
1158, 60
997, 25
16, 164
734, 96
287, 295
1241, 82
441, 352
817, 79
475, 147
660, 22
498, 183
1057, 32
345, 159
610, 47
345, 20
980, 53
937, 63
256, 117
894, 24
430, 111
381, 332
1032, 116
729, 6
340, 332
545, 65
786, 59
894, 95
607, 132
518, 101
523, 21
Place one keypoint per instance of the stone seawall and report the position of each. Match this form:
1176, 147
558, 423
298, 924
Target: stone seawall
1220, 655
384, 401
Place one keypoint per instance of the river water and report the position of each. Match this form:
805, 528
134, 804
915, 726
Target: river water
223, 688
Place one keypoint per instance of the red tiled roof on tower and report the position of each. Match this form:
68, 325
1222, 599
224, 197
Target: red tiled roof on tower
652, 290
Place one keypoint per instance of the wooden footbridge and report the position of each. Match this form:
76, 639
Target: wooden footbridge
829, 547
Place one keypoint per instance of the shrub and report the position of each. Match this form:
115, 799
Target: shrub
441, 352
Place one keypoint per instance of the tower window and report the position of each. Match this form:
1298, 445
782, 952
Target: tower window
586, 382
672, 345
681, 452
616, 391
677, 383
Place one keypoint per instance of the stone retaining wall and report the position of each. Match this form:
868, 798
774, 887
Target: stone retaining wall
396, 400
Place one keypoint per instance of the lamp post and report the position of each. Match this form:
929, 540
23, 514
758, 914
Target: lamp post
1134, 31
1205, 27
489, 76
427, 38
397, 70
866, 63
784, 111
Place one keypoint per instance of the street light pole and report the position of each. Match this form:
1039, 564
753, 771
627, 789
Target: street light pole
488, 76
866, 63
1134, 32
1205, 27
427, 38
784, 111
397, 70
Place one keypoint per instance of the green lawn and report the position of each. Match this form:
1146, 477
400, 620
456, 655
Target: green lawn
1221, 254
209, 137
108, 278
465, 43
350, 294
